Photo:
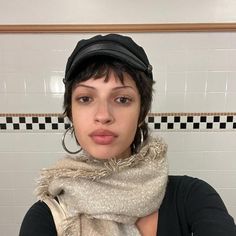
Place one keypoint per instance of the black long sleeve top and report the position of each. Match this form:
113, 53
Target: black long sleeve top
190, 207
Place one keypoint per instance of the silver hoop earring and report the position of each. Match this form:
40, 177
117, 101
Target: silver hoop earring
71, 130
141, 136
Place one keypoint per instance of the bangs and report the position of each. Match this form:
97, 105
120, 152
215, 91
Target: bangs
99, 67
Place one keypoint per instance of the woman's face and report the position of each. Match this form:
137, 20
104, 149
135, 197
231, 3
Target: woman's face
105, 116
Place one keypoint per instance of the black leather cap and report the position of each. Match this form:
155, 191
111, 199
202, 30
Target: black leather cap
112, 45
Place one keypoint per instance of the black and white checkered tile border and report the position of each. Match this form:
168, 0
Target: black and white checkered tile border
192, 122
157, 122
39, 123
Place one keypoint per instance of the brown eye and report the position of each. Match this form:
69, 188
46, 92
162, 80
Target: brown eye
123, 100
85, 99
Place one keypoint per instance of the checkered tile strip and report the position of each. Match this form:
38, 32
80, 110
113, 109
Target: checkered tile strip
155, 122
191, 122
33, 123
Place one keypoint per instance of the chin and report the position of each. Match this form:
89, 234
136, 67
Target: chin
103, 153
110, 156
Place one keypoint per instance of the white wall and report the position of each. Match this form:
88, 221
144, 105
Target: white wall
111, 11
195, 72
186, 68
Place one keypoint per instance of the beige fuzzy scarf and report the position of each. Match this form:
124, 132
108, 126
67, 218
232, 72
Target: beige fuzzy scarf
104, 198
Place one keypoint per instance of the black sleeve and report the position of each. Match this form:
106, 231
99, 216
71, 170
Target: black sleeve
38, 221
206, 212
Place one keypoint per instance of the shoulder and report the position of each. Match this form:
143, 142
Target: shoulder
189, 190
182, 191
198, 206
38, 221
184, 180
189, 184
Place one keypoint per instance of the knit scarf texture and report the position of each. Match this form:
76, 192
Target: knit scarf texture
106, 197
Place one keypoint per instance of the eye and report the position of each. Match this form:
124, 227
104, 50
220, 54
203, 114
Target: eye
123, 100
84, 99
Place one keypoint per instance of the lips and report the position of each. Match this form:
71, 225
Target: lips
103, 137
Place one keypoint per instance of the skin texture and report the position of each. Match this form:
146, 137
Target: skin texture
148, 224
105, 116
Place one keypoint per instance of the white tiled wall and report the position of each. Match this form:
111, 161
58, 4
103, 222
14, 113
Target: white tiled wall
22, 155
194, 72
186, 68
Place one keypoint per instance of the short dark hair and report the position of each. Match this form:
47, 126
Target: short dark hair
101, 67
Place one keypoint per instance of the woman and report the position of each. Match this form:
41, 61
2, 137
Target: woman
118, 184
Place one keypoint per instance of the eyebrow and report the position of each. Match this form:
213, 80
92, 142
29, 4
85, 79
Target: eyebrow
115, 88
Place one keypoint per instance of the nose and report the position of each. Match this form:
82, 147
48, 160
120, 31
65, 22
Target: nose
104, 114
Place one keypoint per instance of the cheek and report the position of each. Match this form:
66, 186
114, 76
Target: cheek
80, 123
79, 119
131, 122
